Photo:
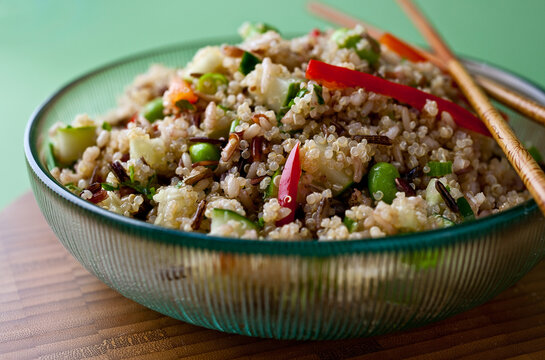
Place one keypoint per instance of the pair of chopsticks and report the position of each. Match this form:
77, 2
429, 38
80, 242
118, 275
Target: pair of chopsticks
523, 163
504, 95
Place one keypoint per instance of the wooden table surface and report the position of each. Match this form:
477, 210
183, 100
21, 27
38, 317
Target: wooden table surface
52, 308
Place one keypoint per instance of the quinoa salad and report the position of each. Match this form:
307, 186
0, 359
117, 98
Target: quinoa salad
329, 136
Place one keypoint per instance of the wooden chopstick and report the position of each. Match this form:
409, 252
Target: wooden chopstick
337, 17
515, 101
512, 99
527, 168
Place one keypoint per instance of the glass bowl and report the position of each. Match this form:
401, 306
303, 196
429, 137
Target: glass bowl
285, 289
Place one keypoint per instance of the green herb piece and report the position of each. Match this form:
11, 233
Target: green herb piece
248, 63
131, 173
439, 168
109, 187
209, 82
318, 91
154, 110
148, 190
184, 105
73, 188
465, 209
350, 224
224, 108
106, 126
261, 222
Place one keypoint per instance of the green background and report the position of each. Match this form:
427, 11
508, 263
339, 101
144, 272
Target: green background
44, 44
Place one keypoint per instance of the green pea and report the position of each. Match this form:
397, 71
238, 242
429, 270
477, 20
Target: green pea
381, 178
154, 110
204, 152
209, 82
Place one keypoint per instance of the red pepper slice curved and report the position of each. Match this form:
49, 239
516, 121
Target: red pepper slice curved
287, 189
336, 77
401, 48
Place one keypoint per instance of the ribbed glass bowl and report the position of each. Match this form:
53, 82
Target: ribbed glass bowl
286, 289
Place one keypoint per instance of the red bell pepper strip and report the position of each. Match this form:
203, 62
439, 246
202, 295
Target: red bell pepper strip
336, 77
401, 48
287, 189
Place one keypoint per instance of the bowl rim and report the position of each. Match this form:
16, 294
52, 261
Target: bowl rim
416, 241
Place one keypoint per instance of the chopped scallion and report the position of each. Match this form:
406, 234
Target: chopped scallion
106, 126
439, 168
72, 188
248, 63
318, 91
209, 82
109, 187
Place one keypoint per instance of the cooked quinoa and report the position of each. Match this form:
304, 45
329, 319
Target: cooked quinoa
138, 162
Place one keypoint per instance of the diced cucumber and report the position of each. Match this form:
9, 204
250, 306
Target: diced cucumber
445, 222
432, 195
222, 216
69, 143
272, 189
206, 60
221, 127
152, 150
339, 180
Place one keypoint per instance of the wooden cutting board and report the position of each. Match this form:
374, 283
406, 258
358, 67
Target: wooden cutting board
52, 308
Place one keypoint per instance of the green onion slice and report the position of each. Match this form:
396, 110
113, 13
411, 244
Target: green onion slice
439, 168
